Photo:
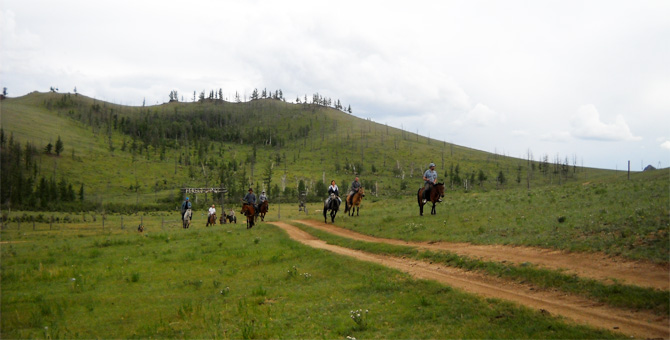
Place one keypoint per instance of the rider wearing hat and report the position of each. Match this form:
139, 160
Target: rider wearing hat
430, 179
250, 198
185, 206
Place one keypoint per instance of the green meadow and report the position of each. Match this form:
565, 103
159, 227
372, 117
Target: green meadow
229, 282
628, 218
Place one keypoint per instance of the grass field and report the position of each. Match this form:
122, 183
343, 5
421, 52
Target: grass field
629, 218
228, 282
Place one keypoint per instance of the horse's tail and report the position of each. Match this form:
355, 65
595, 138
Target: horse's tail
418, 196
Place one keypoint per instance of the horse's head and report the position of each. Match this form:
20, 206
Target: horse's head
439, 188
362, 192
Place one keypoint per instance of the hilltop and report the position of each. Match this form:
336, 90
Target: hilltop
128, 155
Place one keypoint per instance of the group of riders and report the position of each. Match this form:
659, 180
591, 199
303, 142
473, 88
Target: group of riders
334, 191
249, 198
429, 178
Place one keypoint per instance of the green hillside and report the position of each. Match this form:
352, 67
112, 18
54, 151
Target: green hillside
141, 156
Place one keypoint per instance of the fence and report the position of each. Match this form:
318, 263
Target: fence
103, 222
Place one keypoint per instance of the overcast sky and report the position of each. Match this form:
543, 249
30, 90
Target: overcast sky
587, 80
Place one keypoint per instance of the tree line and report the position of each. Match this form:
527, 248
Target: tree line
22, 184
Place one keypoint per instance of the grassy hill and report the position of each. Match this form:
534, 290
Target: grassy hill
143, 155
93, 275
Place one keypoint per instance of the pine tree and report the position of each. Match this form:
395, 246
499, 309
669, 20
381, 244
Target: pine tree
59, 146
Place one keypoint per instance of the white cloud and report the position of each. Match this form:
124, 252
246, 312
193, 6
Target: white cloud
586, 124
482, 115
556, 136
665, 145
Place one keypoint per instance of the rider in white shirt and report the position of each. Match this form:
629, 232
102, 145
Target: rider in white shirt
212, 211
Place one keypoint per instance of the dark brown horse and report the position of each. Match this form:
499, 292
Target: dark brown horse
333, 206
355, 202
263, 209
211, 220
436, 194
249, 211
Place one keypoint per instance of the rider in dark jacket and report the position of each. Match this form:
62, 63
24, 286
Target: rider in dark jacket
333, 189
185, 206
355, 186
250, 198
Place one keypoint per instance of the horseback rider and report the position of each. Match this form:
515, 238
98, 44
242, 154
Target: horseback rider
250, 198
212, 211
261, 198
353, 189
333, 189
185, 206
430, 179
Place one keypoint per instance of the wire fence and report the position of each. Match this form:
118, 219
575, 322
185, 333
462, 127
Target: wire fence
102, 222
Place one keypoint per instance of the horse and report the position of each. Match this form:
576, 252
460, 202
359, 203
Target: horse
186, 221
333, 206
211, 220
249, 211
436, 195
355, 202
263, 209
225, 218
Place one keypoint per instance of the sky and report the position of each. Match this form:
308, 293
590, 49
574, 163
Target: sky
587, 81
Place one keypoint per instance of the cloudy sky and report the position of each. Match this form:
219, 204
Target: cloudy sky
587, 80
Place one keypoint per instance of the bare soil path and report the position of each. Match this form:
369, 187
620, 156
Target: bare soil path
596, 266
580, 310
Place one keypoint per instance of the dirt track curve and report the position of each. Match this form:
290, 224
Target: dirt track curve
595, 266
581, 310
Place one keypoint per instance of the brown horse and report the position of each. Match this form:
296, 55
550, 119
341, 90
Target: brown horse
436, 195
249, 211
355, 202
263, 209
211, 220
222, 219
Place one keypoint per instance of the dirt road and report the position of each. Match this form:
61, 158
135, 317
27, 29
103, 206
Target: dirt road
583, 311
595, 266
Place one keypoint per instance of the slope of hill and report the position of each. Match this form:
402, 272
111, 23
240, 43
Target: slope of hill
143, 155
